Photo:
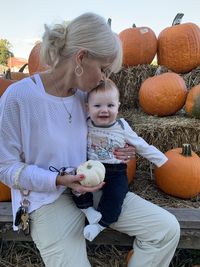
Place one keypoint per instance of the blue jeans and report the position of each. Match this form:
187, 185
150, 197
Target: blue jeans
113, 194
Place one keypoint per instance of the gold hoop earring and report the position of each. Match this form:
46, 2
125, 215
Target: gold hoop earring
78, 70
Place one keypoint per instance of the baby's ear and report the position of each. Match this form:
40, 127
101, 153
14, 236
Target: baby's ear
119, 103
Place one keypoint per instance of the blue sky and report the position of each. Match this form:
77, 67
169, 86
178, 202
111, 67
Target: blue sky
22, 22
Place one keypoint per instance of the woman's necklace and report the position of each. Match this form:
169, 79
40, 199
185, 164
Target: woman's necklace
72, 91
68, 112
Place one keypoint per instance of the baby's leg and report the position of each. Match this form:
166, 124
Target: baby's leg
92, 215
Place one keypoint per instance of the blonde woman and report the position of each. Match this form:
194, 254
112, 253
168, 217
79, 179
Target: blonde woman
43, 124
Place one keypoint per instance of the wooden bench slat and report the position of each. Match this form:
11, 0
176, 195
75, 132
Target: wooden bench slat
189, 219
6, 212
189, 239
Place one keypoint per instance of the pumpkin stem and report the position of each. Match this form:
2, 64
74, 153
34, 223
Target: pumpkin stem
134, 25
8, 74
89, 166
23, 67
186, 150
109, 22
177, 19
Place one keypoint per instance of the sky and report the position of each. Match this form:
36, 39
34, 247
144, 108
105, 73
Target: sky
22, 21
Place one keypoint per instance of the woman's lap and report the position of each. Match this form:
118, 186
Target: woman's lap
57, 230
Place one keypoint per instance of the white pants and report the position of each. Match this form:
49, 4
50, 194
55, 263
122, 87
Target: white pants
57, 230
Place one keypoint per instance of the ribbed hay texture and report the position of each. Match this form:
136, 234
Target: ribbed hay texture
130, 79
164, 132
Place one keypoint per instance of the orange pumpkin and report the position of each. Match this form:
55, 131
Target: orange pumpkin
131, 169
4, 83
163, 95
5, 194
129, 255
18, 75
34, 61
139, 45
180, 175
192, 104
179, 46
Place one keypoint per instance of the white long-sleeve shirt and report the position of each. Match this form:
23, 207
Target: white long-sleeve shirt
34, 129
102, 141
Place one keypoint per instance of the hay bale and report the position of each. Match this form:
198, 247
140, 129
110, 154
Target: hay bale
192, 78
164, 132
130, 79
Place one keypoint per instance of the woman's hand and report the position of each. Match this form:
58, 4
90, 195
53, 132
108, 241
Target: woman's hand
73, 182
125, 154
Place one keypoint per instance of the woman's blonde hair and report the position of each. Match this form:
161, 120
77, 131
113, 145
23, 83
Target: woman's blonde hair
88, 31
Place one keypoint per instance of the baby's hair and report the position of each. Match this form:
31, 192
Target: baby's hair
107, 84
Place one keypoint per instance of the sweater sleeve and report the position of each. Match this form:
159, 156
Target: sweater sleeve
11, 150
149, 152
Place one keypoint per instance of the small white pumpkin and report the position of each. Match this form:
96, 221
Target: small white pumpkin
94, 172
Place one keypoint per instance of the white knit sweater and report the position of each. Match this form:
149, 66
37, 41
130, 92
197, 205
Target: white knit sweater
35, 130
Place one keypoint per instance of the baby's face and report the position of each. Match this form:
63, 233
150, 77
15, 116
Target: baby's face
103, 106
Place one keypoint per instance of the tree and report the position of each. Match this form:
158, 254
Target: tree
5, 52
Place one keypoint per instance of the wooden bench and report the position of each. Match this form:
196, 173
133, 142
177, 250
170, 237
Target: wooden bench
189, 219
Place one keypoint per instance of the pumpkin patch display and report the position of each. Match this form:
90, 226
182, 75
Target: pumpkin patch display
180, 175
34, 61
129, 255
179, 46
4, 83
163, 95
18, 75
5, 194
139, 45
131, 169
94, 172
192, 104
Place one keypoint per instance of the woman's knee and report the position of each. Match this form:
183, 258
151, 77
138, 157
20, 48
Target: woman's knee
170, 228
174, 227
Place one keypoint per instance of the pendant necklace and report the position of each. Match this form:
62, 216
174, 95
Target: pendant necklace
73, 91
69, 112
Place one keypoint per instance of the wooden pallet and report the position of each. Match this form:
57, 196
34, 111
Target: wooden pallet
189, 219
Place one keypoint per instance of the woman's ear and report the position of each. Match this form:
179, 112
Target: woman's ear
81, 54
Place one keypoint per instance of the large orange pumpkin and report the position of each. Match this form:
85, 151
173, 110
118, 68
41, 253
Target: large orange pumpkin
5, 194
192, 104
179, 46
131, 169
4, 83
34, 61
163, 95
139, 45
180, 175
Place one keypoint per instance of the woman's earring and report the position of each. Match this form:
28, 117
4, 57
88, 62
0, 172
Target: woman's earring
78, 70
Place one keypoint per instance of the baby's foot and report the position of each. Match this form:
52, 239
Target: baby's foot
92, 230
92, 215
